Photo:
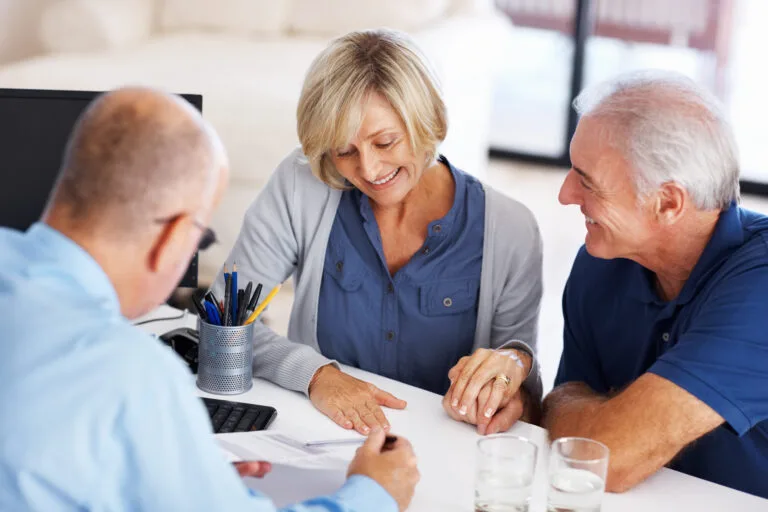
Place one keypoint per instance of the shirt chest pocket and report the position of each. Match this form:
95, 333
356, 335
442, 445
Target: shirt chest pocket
449, 297
345, 267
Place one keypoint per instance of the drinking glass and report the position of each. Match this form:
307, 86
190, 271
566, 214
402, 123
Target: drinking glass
506, 465
577, 471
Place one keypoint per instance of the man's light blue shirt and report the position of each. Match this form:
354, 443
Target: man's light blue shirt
97, 415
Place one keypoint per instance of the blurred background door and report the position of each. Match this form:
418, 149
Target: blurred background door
559, 46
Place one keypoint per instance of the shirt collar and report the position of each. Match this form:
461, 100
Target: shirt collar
727, 236
59, 255
443, 227
438, 228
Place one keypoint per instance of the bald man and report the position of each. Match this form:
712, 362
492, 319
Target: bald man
97, 415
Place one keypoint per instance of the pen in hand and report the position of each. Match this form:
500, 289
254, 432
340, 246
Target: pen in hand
389, 442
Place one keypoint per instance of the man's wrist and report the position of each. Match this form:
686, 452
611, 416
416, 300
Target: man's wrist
320, 371
569, 406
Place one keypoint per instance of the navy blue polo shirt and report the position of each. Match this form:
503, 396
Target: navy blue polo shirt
712, 341
415, 325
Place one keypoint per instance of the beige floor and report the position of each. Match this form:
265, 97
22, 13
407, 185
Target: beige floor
562, 230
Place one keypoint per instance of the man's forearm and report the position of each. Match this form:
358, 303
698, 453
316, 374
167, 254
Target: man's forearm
644, 426
570, 409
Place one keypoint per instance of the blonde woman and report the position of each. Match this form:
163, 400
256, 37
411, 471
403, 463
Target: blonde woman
403, 265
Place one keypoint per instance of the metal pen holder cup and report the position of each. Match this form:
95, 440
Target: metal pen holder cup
225, 357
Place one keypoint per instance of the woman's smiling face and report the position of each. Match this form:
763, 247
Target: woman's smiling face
379, 160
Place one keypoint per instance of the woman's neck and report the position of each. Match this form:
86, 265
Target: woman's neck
431, 199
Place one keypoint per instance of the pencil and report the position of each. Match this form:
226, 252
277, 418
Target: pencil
225, 319
263, 305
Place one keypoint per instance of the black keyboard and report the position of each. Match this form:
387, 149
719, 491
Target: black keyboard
229, 417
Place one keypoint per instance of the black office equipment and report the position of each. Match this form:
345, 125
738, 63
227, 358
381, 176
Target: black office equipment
184, 342
34, 128
227, 417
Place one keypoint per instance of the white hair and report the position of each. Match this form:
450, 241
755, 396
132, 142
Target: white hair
670, 130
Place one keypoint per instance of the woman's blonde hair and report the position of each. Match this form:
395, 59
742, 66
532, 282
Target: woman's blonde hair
341, 78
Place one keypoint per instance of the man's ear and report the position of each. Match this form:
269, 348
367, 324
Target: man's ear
671, 202
170, 246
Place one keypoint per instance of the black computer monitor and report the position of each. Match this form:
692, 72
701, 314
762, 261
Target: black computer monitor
34, 128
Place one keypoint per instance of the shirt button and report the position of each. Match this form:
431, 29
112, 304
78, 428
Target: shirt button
390, 288
447, 302
426, 250
438, 228
390, 335
665, 337
339, 266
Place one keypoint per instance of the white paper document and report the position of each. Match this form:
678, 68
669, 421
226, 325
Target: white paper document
299, 472
279, 448
286, 484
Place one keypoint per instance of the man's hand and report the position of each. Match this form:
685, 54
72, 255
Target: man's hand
394, 469
351, 402
255, 469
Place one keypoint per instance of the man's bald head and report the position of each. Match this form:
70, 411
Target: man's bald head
136, 155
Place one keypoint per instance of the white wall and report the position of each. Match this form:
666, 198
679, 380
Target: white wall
18, 28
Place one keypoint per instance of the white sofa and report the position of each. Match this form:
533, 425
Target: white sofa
248, 58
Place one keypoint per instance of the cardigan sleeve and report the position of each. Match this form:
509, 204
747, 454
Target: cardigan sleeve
267, 251
518, 258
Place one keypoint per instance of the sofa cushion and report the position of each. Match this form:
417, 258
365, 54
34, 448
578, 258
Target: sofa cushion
341, 16
471, 7
266, 17
94, 25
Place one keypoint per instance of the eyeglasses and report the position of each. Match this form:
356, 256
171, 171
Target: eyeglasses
208, 238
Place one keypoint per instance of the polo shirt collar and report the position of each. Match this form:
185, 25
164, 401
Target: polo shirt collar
727, 236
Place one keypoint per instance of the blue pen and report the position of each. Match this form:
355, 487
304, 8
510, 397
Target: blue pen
233, 282
211, 318
213, 314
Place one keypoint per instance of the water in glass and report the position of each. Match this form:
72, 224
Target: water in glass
575, 490
507, 491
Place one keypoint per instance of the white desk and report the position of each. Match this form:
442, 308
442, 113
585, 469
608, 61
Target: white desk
446, 450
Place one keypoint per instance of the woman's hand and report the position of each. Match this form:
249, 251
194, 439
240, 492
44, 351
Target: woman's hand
510, 410
351, 402
485, 382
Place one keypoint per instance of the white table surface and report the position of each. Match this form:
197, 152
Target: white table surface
446, 449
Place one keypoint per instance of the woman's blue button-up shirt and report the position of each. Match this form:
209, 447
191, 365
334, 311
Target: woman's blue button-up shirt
412, 326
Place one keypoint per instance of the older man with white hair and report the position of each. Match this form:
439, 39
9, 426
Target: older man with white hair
665, 356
